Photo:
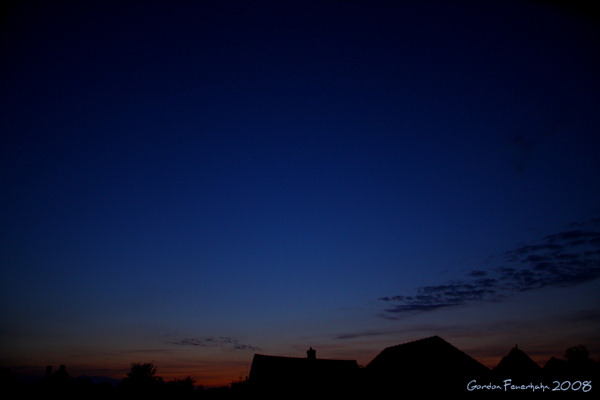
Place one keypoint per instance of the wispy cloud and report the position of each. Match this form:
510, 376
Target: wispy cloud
212, 341
563, 259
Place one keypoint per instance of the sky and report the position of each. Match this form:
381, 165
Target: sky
194, 182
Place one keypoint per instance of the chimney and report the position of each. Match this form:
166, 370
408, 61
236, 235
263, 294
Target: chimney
311, 354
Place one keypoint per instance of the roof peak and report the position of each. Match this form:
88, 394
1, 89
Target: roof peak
434, 338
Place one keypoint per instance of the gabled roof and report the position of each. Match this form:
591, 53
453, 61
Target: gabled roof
432, 355
517, 364
582, 369
429, 366
555, 365
277, 370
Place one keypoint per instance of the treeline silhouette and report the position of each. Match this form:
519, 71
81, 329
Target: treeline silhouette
428, 366
141, 382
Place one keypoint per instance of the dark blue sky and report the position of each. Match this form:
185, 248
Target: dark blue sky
196, 181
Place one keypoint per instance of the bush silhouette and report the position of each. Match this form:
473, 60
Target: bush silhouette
141, 380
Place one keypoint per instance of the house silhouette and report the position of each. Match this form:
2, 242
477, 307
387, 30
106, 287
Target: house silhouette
425, 366
517, 366
573, 370
559, 369
296, 374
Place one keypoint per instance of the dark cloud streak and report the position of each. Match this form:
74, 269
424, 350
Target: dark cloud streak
559, 260
211, 341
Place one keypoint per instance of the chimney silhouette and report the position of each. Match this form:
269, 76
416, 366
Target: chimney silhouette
311, 354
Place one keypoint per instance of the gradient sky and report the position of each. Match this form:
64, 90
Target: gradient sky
191, 183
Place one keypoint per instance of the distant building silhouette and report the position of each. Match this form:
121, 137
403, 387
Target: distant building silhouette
556, 367
294, 374
517, 366
429, 365
585, 369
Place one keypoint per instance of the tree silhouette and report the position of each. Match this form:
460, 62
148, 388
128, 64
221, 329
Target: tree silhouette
577, 354
141, 380
143, 372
